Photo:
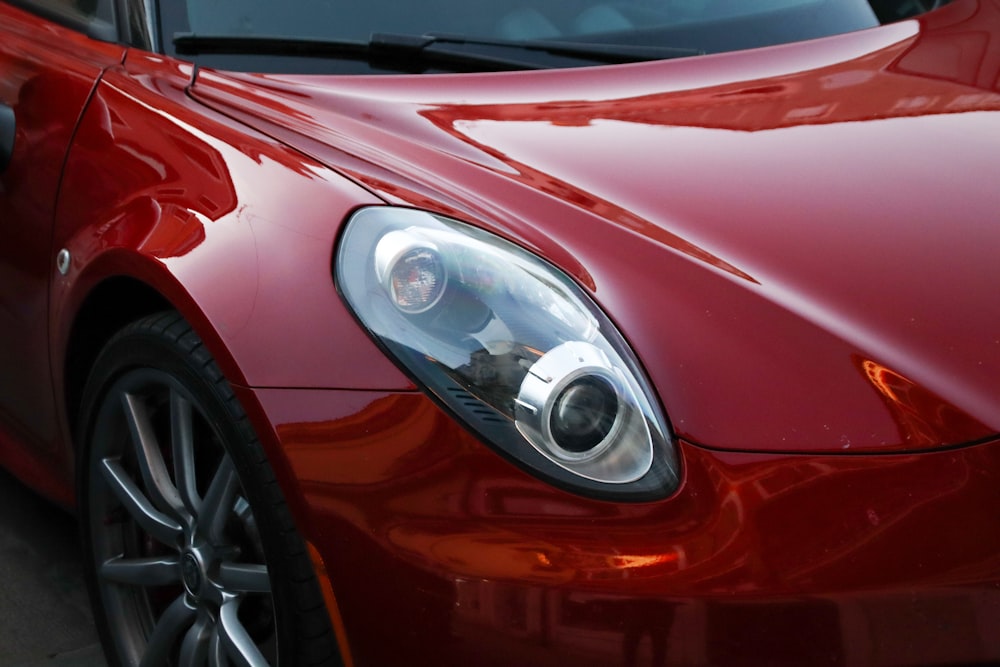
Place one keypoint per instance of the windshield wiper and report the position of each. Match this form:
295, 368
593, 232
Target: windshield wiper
602, 52
417, 52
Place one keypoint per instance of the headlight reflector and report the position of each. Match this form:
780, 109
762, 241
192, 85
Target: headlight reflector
412, 272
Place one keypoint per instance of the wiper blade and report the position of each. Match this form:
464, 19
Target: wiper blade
418, 51
192, 44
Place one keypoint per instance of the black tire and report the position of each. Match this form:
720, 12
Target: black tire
192, 558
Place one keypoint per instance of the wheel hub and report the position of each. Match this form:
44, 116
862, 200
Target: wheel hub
192, 573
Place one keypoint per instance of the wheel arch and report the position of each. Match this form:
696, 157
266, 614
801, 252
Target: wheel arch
104, 296
109, 307
120, 286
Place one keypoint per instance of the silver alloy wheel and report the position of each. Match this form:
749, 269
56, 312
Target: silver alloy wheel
180, 565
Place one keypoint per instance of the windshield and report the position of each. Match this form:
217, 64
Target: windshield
216, 32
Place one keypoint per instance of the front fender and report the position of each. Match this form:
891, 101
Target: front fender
233, 229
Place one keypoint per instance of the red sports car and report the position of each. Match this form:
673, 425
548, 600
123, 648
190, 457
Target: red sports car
535, 332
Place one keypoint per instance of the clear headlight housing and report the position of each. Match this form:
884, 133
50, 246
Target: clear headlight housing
512, 347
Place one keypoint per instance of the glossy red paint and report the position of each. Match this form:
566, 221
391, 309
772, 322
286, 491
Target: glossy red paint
779, 211
230, 226
47, 73
757, 559
821, 363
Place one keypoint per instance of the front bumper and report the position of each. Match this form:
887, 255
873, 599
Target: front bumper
440, 552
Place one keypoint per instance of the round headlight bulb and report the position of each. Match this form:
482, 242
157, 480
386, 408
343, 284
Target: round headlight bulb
584, 414
571, 404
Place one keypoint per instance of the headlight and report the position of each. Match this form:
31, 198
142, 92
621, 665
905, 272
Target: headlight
512, 347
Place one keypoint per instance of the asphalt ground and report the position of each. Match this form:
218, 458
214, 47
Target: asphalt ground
45, 617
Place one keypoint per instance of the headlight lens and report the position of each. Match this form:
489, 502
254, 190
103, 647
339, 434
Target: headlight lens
512, 347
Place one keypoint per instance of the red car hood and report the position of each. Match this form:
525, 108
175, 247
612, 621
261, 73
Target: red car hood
800, 242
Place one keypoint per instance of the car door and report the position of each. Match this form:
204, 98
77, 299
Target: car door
48, 68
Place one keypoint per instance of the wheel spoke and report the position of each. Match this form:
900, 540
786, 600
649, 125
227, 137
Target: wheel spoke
160, 526
169, 626
141, 571
239, 646
147, 449
182, 443
244, 578
219, 501
194, 650
216, 652
242, 510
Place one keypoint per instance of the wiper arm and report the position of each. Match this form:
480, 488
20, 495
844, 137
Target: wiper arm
409, 51
399, 54
609, 53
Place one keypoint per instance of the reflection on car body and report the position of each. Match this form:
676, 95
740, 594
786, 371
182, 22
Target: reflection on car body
649, 332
